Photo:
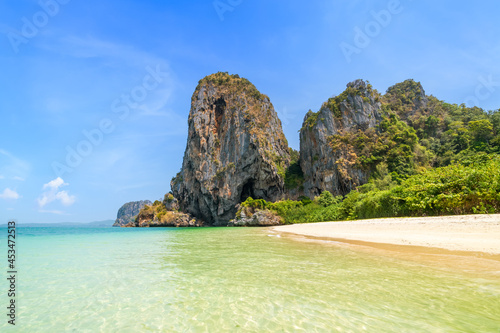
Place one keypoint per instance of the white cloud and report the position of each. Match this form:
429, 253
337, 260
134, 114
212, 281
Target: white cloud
55, 184
65, 198
19, 178
52, 193
9, 194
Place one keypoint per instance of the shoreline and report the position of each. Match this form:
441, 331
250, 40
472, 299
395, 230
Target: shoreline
463, 233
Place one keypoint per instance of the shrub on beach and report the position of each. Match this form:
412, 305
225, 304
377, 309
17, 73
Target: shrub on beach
467, 188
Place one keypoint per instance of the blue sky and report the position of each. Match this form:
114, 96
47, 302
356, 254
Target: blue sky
112, 80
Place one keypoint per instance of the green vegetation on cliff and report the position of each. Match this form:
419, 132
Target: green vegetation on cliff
417, 132
237, 83
393, 142
470, 187
156, 211
447, 131
333, 103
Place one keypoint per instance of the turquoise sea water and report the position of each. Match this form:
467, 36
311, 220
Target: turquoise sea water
231, 280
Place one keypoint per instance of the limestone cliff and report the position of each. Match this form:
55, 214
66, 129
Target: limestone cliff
129, 211
331, 167
235, 149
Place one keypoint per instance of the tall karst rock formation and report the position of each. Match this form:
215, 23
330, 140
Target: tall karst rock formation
235, 149
328, 166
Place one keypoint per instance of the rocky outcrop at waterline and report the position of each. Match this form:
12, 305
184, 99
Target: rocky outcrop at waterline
129, 211
164, 214
236, 149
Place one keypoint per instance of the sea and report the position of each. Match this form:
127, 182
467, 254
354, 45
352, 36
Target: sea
230, 280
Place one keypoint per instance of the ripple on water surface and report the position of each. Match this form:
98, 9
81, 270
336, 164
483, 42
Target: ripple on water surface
235, 280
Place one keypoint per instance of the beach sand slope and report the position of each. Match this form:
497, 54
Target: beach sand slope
477, 233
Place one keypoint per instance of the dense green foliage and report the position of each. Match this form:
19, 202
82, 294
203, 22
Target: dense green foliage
393, 142
446, 131
297, 211
466, 188
470, 187
157, 209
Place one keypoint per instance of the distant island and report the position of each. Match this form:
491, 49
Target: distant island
362, 155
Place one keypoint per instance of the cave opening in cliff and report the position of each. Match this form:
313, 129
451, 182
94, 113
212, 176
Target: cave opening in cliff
220, 106
247, 191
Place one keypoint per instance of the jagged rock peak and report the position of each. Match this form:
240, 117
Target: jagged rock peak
410, 88
360, 85
235, 149
326, 167
129, 211
406, 97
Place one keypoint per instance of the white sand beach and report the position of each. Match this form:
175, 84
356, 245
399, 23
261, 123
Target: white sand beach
476, 233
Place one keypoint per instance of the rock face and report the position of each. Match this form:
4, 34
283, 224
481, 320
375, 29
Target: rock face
164, 214
128, 212
147, 218
327, 167
236, 149
261, 218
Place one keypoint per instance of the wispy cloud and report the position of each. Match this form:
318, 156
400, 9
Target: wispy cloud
157, 102
19, 178
57, 212
9, 194
12, 166
52, 193
92, 47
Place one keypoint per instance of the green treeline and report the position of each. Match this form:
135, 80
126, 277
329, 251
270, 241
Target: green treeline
471, 187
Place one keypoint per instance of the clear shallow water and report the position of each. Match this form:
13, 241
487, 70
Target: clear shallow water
232, 280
